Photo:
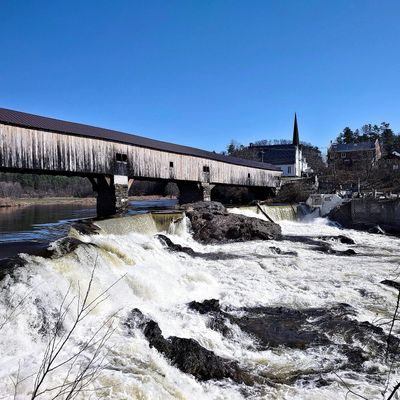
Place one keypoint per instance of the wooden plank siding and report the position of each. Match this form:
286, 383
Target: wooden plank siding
32, 150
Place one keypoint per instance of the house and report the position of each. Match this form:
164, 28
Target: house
391, 161
288, 157
348, 156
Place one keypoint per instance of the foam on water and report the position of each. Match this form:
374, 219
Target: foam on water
161, 283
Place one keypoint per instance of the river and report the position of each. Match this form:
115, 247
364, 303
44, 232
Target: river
135, 271
32, 228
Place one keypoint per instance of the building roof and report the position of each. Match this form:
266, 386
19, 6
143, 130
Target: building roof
296, 139
345, 147
279, 154
17, 118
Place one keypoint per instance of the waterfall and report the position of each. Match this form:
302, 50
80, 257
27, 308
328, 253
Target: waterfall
149, 223
285, 212
277, 213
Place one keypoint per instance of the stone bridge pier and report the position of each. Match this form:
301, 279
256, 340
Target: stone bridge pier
190, 192
112, 194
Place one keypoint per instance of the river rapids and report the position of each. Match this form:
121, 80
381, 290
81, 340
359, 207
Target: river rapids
118, 272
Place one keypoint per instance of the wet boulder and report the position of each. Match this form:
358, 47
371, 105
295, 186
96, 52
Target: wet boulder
167, 242
187, 354
391, 283
85, 227
64, 246
217, 319
339, 238
9, 266
279, 326
206, 306
211, 223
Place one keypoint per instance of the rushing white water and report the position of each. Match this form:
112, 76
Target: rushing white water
161, 283
285, 212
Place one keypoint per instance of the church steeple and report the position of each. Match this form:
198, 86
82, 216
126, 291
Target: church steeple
296, 140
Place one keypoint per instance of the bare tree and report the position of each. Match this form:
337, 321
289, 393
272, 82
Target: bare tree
85, 364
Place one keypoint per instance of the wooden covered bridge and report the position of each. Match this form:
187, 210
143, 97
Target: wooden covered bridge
113, 160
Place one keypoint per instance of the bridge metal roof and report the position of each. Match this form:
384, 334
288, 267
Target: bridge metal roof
17, 118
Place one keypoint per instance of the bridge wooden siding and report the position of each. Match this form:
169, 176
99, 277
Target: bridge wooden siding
37, 150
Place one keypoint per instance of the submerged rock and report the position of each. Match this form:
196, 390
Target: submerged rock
273, 327
175, 247
211, 223
218, 255
217, 320
321, 244
392, 284
339, 238
9, 265
64, 246
85, 227
206, 306
187, 354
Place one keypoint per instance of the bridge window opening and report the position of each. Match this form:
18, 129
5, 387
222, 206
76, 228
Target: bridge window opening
206, 168
120, 157
171, 164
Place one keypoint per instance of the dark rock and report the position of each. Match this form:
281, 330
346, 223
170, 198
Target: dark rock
190, 357
345, 239
64, 246
219, 255
9, 265
328, 249
187, 354
212, 224
390, 283
86, 227
175, 247
217, 320
324, 247
206, 306
321, 382
275, 250
348, 252
339, 238
279, 326
334, 326
206, 207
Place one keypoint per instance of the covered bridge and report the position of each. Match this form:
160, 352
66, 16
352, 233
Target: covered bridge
112, 160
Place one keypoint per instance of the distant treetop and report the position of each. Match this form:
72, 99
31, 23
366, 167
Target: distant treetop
369, 133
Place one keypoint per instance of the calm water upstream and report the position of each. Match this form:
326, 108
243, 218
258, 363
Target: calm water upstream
30, 229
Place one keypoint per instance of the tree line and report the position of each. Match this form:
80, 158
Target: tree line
369, 133
30, 185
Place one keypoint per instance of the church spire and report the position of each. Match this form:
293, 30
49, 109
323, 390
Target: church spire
296, 140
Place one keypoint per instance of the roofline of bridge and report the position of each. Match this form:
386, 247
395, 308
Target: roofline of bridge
32, 121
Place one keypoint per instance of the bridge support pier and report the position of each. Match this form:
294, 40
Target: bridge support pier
190, 192
112, 194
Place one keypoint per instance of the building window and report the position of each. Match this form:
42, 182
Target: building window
289, 170
343, 155
171, 164
248, 175
121, 157
206, 168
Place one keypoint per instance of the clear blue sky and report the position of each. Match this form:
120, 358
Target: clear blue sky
204, 72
